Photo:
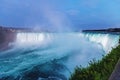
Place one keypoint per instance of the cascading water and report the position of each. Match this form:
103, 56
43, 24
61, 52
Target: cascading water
51, 56
32, 38
108, 41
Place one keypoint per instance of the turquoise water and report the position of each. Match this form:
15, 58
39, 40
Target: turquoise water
47, 56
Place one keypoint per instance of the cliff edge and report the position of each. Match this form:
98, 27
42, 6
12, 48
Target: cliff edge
116, 73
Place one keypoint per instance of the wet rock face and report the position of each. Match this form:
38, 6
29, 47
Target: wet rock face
116, 73
5, 38
2, 37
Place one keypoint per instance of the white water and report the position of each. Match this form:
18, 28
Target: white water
108, 41
32, 38
66, 49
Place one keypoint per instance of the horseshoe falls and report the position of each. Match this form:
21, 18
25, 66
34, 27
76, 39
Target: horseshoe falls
52, 56
107, 41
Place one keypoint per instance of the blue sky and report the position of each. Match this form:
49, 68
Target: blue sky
60, 14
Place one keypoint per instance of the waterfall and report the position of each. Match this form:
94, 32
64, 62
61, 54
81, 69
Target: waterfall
31, 38
107, 41
52, 54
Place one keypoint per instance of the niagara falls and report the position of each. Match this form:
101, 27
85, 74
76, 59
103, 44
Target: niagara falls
52, 55
59, 40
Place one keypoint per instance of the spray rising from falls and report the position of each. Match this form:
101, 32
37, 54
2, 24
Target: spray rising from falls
50, 56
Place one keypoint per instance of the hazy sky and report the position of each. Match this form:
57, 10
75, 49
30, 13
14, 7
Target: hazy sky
60, 14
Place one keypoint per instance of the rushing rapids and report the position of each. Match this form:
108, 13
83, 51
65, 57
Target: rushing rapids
52, 56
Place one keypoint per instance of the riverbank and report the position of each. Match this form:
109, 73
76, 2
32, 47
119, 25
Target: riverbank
98, 70
104, 31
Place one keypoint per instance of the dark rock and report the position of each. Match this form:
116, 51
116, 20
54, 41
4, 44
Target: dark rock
116, 73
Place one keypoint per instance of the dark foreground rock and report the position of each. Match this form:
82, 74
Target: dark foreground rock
116, 73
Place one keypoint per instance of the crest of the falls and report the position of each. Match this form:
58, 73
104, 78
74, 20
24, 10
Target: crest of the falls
107, 41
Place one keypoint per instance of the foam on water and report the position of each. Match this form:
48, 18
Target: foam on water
49, 55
